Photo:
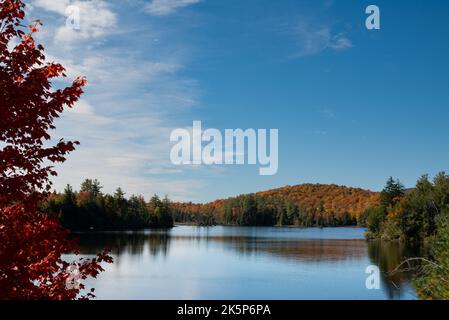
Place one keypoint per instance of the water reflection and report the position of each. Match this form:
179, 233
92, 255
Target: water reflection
330, 253
158, 242
125, 243
387, 256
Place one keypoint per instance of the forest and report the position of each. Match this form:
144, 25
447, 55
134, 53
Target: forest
89, 209
419, 215
302, 205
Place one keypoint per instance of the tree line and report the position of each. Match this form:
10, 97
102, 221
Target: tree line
412, 215
90, 208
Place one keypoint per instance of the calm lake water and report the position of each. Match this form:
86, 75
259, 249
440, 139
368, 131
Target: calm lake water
190, 262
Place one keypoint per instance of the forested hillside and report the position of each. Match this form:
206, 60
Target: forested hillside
300, 205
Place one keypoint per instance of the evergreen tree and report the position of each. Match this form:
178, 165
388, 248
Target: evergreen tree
420, 211
92, 187
392, 193
68, 208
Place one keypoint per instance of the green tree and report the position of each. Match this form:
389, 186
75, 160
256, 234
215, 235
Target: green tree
420, 211
249, 211
392, 193
137, 210
69, 208
93, 187
441, 190
374, 220
121, 203
166, 216
160, 213
433, 280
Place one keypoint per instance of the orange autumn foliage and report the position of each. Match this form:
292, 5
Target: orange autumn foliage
335, 201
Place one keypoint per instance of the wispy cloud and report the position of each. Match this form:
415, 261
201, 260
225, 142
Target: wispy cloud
82, 107
313, 40
340, 42
327, 113
125, 117
166, 7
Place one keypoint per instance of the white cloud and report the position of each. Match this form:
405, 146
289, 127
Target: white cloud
82, 107
124, 151
96, 19
340, 42
315, 40
166, 7
125, 117
52, 5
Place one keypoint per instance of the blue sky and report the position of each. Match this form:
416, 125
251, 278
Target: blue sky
352, 106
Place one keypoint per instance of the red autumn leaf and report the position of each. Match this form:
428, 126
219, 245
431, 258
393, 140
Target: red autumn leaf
32, 243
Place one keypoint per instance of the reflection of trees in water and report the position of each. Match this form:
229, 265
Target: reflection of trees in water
388, 256
312, 250
131, 243
158, 242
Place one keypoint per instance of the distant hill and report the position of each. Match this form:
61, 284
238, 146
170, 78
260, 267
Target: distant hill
306, 204
334, 198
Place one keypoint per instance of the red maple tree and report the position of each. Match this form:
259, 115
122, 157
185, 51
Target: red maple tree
32, 243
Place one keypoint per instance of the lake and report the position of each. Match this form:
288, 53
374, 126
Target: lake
189, 262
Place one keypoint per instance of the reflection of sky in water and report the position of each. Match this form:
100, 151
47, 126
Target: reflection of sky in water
244, 263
